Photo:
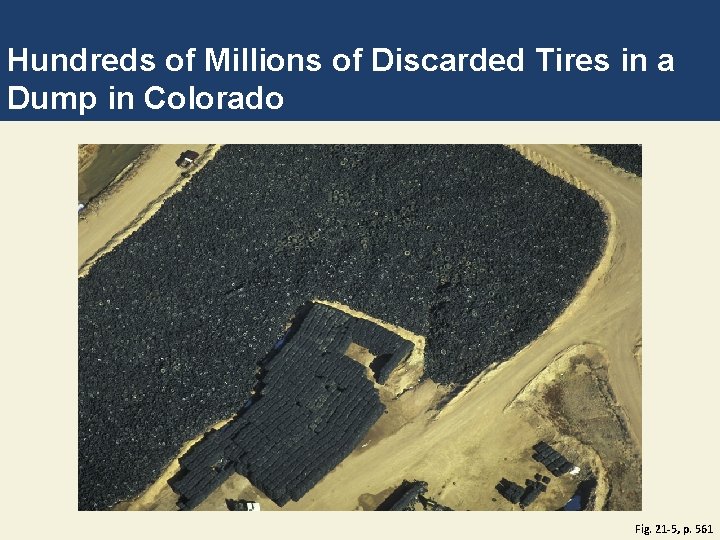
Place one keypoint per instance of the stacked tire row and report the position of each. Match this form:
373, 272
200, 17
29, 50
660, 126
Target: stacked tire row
510, 490
519, 495
405, 496
399, 356
533, 489
389, 348
472, 246
552, 459
205, 466
316, 406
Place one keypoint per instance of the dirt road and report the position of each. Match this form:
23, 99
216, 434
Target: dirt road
613, 321
152, 179
465, 449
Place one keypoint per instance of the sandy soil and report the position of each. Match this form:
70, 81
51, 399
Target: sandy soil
86, 155
134, 202
462, 442
573, 397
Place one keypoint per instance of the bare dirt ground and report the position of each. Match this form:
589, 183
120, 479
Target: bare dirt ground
463, 440
573, 396
102, 227
86, 155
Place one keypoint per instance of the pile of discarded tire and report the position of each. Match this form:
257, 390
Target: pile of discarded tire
474, 247
523, 496
315, 406
510, 490
405, 496
555, 462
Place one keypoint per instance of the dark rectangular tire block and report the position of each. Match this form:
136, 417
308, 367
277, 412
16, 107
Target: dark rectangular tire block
284, 448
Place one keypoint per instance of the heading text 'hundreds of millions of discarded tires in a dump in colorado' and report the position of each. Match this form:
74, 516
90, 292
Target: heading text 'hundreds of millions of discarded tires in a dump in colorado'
472, 246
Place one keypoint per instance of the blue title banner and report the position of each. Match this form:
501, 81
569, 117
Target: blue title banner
366, 61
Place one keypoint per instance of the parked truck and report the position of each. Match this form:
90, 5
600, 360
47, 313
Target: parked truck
187, 158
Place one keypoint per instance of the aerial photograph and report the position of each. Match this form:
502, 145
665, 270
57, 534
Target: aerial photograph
388, 327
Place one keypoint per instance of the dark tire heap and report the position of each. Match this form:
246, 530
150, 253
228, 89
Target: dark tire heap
388, 348
625, 156
405, 496
522, 496
316, 406
533, 489
474, 247
555, 462
510, 490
